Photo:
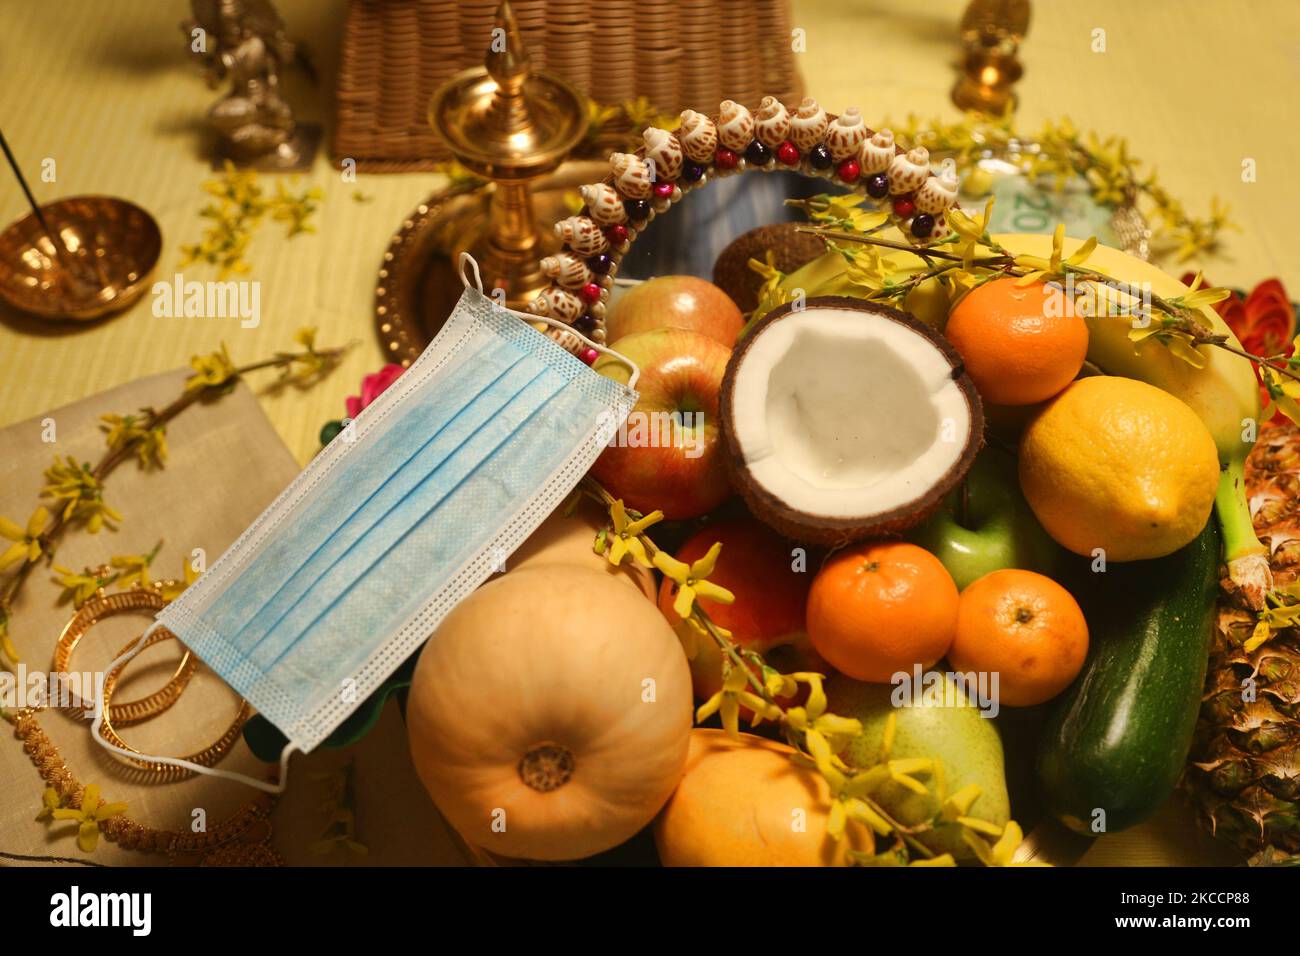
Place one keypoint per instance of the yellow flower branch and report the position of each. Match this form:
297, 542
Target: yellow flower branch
239, 206
817, 735
1173, 322
1059, 153
79, 486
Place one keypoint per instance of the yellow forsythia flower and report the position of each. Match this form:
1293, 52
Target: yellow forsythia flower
209, 370
89, 816
26, 545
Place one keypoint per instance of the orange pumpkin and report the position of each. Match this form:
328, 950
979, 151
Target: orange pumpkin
550, 713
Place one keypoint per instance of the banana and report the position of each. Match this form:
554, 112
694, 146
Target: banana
1223, 393
828, 275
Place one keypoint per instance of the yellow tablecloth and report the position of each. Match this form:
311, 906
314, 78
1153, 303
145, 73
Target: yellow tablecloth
108, 91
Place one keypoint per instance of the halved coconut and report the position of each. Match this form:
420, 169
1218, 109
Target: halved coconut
846, 419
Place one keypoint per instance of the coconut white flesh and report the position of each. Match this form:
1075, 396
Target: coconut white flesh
844, 414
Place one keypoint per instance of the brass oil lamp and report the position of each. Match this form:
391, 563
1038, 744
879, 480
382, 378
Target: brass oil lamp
510, 125
991, 33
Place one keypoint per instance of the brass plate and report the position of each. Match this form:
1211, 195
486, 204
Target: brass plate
112, 247
418, 285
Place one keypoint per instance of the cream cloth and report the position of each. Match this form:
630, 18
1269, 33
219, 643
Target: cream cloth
226, 465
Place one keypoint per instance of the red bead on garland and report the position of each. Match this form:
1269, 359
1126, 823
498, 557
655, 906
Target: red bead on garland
725, 159
788, 153
849, 170
904, 207
590, 293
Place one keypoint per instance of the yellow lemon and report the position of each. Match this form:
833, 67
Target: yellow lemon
1117, 464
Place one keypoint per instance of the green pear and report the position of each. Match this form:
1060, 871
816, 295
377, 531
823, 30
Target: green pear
988, 529
941, 724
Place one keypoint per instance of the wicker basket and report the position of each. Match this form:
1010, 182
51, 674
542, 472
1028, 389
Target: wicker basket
676, 53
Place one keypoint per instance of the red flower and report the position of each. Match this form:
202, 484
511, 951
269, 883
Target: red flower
372, 386
1269, 319
1263, 321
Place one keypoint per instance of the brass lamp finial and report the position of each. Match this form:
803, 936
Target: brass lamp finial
511, 125
508, 62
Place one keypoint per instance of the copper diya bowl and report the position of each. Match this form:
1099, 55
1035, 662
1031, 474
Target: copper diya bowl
110, 247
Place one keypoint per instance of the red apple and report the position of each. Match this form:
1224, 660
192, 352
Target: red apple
676, 302
669, 453
759, 568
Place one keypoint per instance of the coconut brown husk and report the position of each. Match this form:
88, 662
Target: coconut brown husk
790, 250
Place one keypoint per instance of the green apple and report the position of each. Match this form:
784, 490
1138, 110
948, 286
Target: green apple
935, 719
986, 525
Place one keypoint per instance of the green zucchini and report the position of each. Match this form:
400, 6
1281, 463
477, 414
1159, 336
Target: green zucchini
1116, 739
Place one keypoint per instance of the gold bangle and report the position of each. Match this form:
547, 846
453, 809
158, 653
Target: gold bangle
94, 610
206, 757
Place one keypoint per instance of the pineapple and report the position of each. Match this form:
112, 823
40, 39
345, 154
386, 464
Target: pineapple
1244, 769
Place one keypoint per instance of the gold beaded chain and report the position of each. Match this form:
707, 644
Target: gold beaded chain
236, 841
232, 842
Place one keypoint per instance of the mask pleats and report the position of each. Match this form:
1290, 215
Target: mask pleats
349, 572
355, 501
437, 526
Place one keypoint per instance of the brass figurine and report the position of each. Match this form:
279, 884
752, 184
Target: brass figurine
244, 42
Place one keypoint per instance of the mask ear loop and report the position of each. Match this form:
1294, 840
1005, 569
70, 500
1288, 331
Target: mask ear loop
132, 650
477, 283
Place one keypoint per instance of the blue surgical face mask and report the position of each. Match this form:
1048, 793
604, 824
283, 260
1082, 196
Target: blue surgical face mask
401, 516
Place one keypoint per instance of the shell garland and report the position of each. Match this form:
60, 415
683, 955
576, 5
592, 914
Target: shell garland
846, 135
772, 122
646, 183
808, 125
735, 125
877, 153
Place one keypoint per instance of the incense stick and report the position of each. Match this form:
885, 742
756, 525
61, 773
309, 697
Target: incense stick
27, 190
60, 250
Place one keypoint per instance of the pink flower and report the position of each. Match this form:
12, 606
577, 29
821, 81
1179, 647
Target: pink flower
372, 386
